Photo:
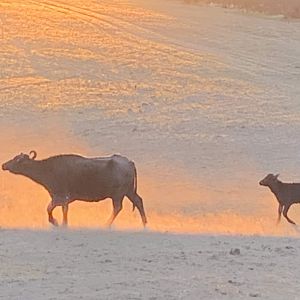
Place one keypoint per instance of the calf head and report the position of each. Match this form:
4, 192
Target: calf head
269, 180
15, 165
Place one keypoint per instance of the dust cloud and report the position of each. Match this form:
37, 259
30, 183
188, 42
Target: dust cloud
173, 202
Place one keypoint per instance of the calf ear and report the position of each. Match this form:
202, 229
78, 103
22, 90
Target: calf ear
276, 176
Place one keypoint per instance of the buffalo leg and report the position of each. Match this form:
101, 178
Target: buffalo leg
117, 207
280, 208
50, 209
138, 202
65, 209
285, 211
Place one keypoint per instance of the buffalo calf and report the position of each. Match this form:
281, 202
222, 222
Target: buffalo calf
285, 193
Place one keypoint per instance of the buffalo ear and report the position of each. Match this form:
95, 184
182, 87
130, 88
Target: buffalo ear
34, 154
276, 176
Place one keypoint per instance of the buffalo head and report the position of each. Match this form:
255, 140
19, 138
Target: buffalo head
15, 164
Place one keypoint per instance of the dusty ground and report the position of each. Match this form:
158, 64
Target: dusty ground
112, 265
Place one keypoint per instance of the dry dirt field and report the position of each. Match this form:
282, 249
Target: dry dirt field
205, 100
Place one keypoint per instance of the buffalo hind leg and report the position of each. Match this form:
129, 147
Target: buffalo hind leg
285, 211
65, 209
138, 202
117, 207
50, 209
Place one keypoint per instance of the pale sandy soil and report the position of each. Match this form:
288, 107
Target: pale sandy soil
204, 100
112, 265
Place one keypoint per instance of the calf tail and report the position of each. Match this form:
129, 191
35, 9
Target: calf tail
134, 184
135, 179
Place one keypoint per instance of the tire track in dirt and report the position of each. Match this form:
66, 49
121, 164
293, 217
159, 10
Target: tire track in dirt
134, 33
68, 10
116, 23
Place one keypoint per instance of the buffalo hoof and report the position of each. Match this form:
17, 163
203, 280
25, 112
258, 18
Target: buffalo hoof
54, 222
110, 227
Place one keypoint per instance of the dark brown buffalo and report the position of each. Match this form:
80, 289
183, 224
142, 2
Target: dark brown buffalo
72, 177
285, 193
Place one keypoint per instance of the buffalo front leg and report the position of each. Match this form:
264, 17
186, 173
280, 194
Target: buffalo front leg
280, 208
285, 211
65, 209
50, 209
117, 207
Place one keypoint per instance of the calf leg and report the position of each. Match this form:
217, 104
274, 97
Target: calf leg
65, 209
285, 211
280, 208
117, 207
138, 202
50, 209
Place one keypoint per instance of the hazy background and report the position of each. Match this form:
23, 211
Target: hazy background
286, 8
204, 115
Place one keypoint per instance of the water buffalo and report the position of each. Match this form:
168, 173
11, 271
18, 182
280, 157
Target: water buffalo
71, 177
286, 194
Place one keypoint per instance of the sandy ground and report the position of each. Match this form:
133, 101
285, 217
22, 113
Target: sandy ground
113, 265
204, 100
